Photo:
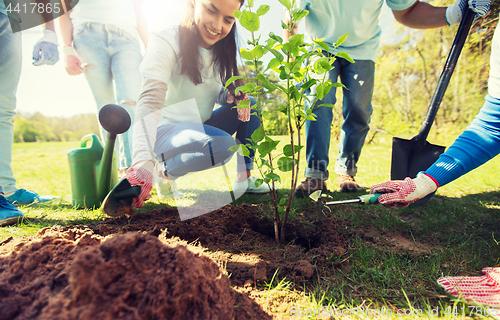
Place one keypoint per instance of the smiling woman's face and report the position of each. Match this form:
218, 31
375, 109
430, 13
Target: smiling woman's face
214, 19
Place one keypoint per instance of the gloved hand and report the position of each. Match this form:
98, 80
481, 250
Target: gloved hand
45, 50
455, 12
484, 290
243, 113
402, 193
72, 64
141, 174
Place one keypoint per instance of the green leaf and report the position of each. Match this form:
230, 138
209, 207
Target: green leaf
250, 3
273, 63
241, 149
311, 117
257, 52
287, 150
298, 14
263, 9
281, 209
258, 182
320, 43
285, 164
265, 82
341, 39
338, 85
273, 36
237, 14
286, 3
250, 21
267, 146
243, 104
329, 105
246, 54
231, 80
283, 25
258, 134
282, 201
346, 56
273, 176
322, 90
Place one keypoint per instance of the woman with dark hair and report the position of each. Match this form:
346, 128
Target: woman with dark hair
184, 70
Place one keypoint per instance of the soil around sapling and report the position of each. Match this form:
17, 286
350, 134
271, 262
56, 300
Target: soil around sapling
154, 266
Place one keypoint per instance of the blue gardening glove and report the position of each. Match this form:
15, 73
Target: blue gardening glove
455, 12
45, 50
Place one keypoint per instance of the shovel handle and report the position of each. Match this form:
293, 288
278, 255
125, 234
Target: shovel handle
444, 79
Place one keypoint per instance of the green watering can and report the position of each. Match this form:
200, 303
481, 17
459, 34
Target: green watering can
92, 168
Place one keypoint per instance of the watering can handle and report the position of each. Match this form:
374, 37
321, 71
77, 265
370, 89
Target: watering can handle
89, 137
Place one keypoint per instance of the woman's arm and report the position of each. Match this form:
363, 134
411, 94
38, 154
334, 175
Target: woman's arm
72, 64
142, 27
147, 116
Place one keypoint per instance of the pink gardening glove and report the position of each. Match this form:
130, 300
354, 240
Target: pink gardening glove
141, 174
484, 290
402, 193
243, 113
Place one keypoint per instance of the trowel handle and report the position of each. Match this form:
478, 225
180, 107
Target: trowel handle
128, 193
370, 198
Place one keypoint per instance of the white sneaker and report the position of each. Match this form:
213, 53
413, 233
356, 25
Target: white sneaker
248, 186
168, 189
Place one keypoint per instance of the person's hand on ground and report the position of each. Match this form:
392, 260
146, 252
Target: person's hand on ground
402, 193
141, 174
45, 50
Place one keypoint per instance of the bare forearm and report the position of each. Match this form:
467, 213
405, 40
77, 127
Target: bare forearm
66, 28
422, 16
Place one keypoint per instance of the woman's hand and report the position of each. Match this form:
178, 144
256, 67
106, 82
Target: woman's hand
243, 113
141, 174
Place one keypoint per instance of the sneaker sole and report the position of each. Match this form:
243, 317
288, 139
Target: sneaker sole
10, 221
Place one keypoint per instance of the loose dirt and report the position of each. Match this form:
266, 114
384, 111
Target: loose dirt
154, 266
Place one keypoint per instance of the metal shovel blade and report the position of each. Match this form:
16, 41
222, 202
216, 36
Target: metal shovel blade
119, 200
407, 162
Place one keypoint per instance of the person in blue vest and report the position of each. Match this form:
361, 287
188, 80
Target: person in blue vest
44, 52
330, 20
479, 143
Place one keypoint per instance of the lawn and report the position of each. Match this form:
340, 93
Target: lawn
456, 233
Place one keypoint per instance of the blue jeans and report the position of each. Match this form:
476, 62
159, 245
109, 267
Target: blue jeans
356, 109
10, 71
116, 57
189, 147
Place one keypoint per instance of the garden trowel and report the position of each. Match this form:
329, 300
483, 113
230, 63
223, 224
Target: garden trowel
322, 203
119, 200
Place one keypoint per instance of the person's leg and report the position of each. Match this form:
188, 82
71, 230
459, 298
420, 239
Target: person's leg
191, 147
91, 45
318, 139
125, 60
226, 118
357, 109
10, 71
318, 132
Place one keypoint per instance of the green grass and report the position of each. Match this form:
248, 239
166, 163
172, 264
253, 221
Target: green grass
461, 224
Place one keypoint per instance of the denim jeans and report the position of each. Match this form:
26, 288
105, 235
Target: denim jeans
356, 109
116, 57
10, 71
189, 147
